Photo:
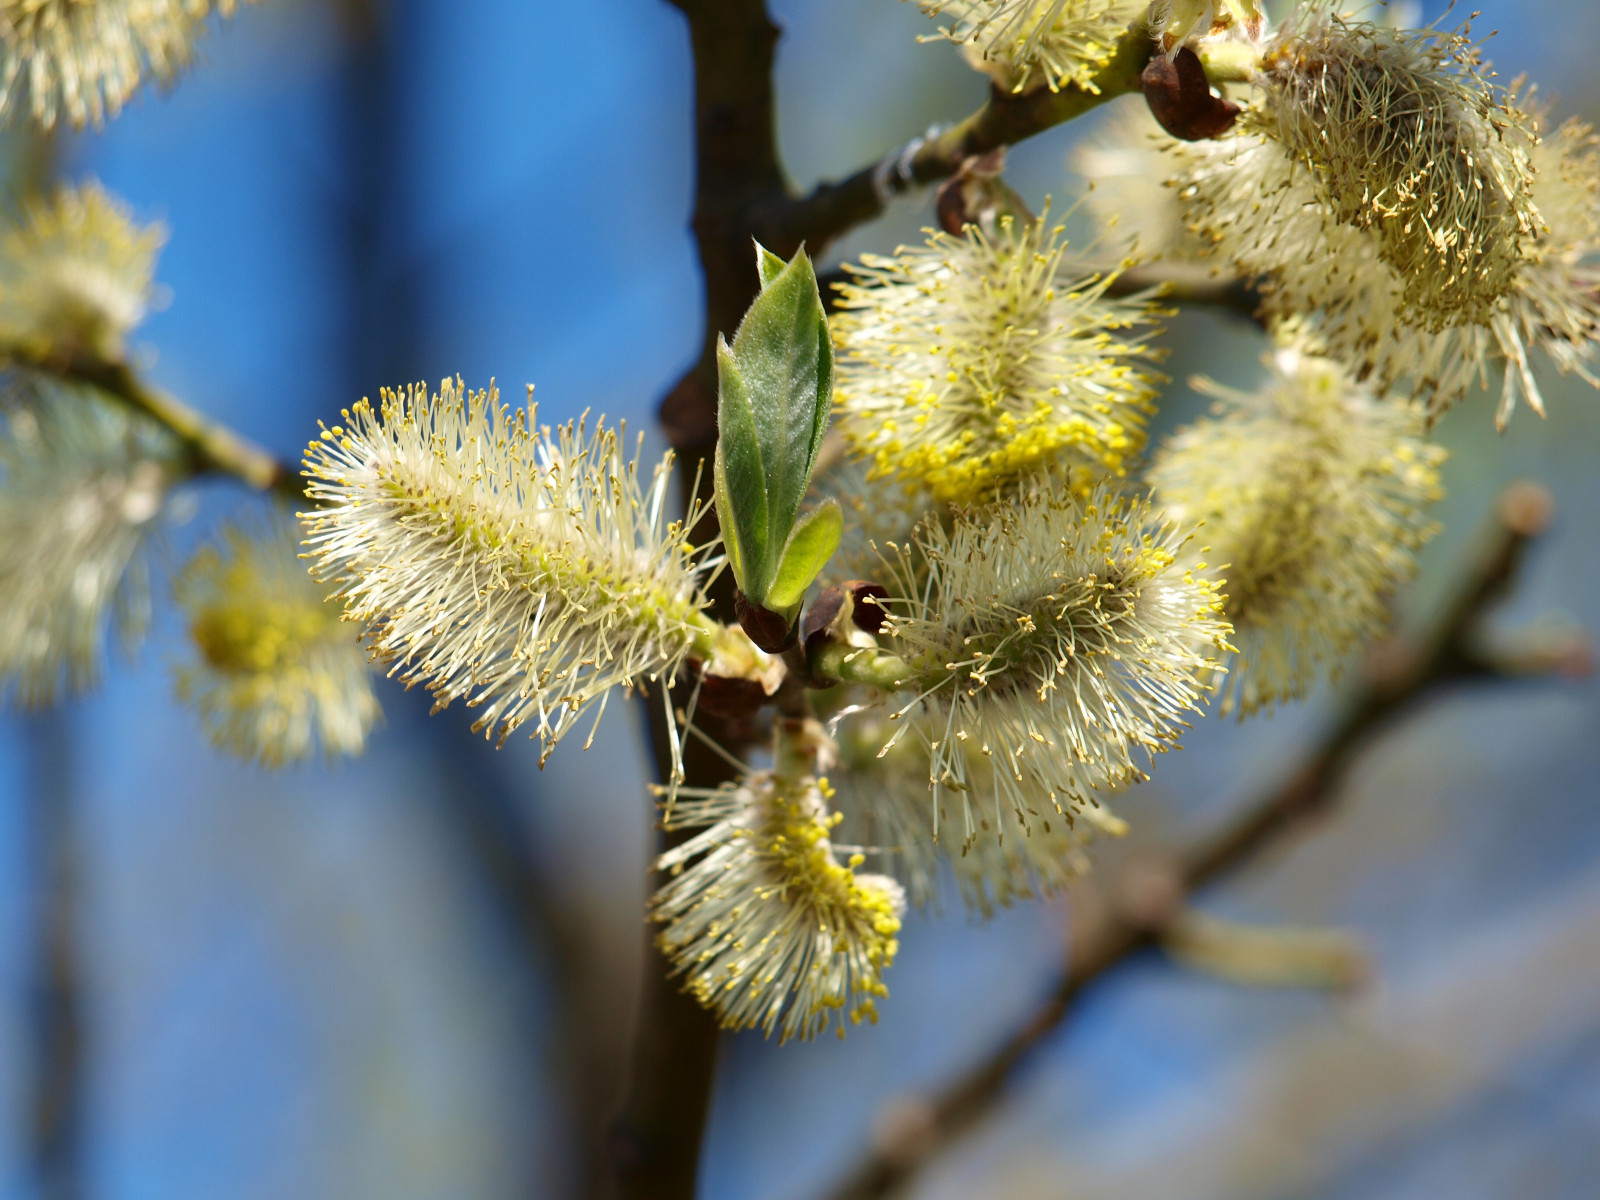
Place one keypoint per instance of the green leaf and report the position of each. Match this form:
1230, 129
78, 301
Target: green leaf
768, 265
810, 547
740, 476
730, 530
785, 364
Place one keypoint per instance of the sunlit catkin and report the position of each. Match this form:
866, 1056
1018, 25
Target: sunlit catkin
1051, 648
81, 485
768, 928
1314, 495
275, 671
76, 276
888, 817
974, 361
80, 60
1128, 165
1402, 132
525, 571
1028, 44
1174, 22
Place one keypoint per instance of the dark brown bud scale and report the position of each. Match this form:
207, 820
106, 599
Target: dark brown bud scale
1181, 100
977, 194
771, 631
722, 696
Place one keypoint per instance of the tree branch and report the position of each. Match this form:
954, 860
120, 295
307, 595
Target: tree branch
58, 1099
1005, 119
656, 1136
1397, 678
212, 447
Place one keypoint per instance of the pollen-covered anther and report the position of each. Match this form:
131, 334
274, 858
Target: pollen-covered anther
1032, 365
768, 928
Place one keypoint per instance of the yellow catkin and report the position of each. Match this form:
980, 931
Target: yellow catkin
769, 930
1053, 647
76, 276
523, 570
1314, 494
976, 361
83, 482
1404, 133
1027, 44
80, 60
275, 672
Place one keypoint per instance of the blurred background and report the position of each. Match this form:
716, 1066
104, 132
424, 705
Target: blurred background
410, 976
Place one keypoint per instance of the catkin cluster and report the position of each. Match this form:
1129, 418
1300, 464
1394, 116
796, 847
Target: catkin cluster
1383, 189
1029, 605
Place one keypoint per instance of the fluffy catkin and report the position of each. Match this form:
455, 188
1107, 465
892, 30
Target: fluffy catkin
768, 928
1051, 647
972, 362
523, 570
275, 672
1314, 496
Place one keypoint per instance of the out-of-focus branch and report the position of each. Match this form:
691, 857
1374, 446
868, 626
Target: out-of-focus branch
1153, 894
57, 1072
212, 447
1185, 285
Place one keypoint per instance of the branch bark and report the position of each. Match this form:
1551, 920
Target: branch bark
57, 1102
655, 1142
1004, 120
1398, 678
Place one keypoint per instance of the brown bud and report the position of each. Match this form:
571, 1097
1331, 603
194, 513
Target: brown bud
867, 609
1527, 508
1180, 98
724, 697
835, 608
771, 631
1149, 891
822, 615
977, 195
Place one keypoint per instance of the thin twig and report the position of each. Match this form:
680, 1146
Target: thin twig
1005, 119
1397, 679
1184, 285
213, 447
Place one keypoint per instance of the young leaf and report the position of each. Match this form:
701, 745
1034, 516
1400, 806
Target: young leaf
785, 362
739, 475
768, 265
810, 547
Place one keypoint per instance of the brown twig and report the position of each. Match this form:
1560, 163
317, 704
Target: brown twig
1005, 119
1397, 678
